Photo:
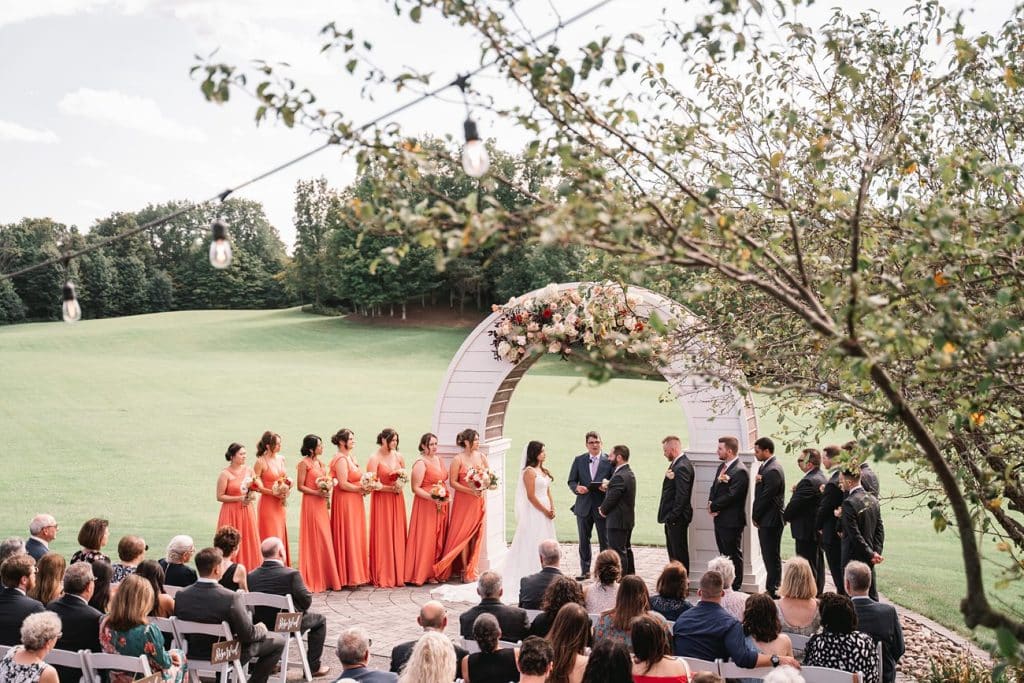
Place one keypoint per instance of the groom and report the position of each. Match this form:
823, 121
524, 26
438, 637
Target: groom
585, 478
618, 508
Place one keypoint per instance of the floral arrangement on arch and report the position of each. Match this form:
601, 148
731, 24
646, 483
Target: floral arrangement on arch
600, 318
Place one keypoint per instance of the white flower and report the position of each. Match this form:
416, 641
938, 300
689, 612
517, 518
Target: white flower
554, 347
550, 292
504, 348
532, 327
558, 328
588, 338
521, 340
557, 317
505, 329
629, 322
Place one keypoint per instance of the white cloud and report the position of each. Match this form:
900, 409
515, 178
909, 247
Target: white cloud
17, 133
137, 113
89, 161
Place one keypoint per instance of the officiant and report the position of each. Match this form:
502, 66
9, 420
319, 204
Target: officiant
585, 476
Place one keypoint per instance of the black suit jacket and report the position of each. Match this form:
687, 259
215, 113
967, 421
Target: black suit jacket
769, 494
676, 505
863, 531
80, 630
532, 587
802, 510
14, 607
729, 499
275, 578
35, 548
620, 499
831, 498
883, 624
513, 620
869, 480
212, 603
400, 655
361, 673
579, 475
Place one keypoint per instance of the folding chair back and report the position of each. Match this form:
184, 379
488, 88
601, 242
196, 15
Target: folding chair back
821, 674
97, 662
66, 659
283, 603
172, 590
733, 670
696, 664
532, 614
220, 631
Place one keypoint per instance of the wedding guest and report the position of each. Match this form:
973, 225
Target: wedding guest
101, 591
93, 535
733, 601
237, 495
652, 654
354, 653
669, 599
131, 550
570, 636
10, 547
562, 591
18, 574
784, 674
797, 606
708, 677
491, 663
432, 617
609, 663
127, 631
432, 660
513, 620
163, 604
535, 660
24, 663
42, 530
533, 587
429, 519
631, 601
600, 594
840, 645
877, 620
49, 578
227, 540
348, 513
80, 623
270, 469
761, 623
387, 513
316, 559
175, 564
465, 528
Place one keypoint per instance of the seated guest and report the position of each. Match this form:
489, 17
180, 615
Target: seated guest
570, 636
208, 602
561, 591
784, 674
127, 631
711, 676
432, 660
761, 623
163, 604
877, 620
532, 587
24, 663
80, 623
652, 654
433, 617
708, 632
42, 530
354, 654
49, 578
797, 605
839, 645
535, 660
175, 565
93, 535
609, 663
101, 592
733, 602
513, 620
632, 600
275, 578
669, 599
131, 550
10, 547
491, 663
227, 540
18, 575
599, 595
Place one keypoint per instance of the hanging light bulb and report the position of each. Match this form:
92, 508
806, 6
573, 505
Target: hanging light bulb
220, 247
70, 310
475, 161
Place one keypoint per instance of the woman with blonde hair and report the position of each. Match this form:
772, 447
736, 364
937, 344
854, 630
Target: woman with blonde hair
24, 663
432, 660
49, 578
797, 604
126, 631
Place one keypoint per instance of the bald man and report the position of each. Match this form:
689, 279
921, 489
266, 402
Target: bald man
433, 617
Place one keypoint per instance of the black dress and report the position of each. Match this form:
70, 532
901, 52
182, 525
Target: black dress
228, 580
670, 608
499, 665
178, 574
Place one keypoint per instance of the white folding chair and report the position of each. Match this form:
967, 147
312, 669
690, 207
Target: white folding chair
696, 664
821, 674
65, 658
799, 641
172, 590
594, 618
96, 662
532, 614
504, 644
166, 626
3, 650
733, 670
470, 646
879, 653
221, 631
283, 603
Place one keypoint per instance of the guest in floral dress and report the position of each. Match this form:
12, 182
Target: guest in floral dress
840, 645
93, 535
632, 600
131, 550
127, 631
670, 598
24, 663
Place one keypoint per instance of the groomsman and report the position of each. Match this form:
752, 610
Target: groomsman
826, 522
861, 521
585, 476
769, 492
728, 504
802, 511
618, 508
675, 510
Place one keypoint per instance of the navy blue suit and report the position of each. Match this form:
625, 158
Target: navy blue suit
36, 549
586, 504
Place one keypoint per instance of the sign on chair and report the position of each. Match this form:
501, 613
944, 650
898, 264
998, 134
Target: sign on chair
288, 622
225, 651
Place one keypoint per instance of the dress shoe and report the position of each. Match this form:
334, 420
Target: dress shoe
582, 577
322, 671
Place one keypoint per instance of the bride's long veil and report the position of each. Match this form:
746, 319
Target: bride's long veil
522, 502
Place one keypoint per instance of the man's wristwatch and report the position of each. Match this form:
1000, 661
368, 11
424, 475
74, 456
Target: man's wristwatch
775, 660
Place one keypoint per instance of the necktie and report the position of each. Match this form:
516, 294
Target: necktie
593, 467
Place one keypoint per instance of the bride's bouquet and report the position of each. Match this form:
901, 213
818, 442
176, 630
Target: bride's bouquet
282, 486
482, 479
325, 484
439, 492
369, 483
401, 477
247, 491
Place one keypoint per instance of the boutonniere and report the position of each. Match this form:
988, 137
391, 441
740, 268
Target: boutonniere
821, 489
723, 478
759, 477
670, 474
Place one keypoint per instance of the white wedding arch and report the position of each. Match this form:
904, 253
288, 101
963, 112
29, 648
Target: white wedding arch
477, 388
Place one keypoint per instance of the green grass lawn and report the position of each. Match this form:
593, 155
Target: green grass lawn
129, 419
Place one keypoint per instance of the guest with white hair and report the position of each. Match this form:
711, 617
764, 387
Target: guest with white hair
733, 601
10, 547
354, 654
513, 620
175, 565
24, 663
42, 530
784, 674
532, 587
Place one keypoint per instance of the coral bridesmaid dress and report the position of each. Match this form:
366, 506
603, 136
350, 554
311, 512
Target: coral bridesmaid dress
387, 533
272, 514
348, 522
426, 530
464, 532
243, 518
316, 561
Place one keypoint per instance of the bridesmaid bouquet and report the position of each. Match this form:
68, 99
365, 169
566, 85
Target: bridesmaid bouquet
482, 478
369, 482
401, 477
439, 492
246, 489
282, 485
325, 484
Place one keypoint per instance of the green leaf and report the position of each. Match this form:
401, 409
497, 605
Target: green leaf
1007, 642
351, 64
567, 77
416, 13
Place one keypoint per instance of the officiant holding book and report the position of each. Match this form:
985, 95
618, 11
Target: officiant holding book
585, 477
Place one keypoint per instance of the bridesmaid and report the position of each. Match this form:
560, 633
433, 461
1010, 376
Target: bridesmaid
387, 514
348, 513
316, 562
429, 516
272, 517
238, 510
462, 545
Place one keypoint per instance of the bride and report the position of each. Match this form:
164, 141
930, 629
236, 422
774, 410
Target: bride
535, 514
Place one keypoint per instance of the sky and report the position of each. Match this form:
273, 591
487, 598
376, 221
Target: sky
98, 113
